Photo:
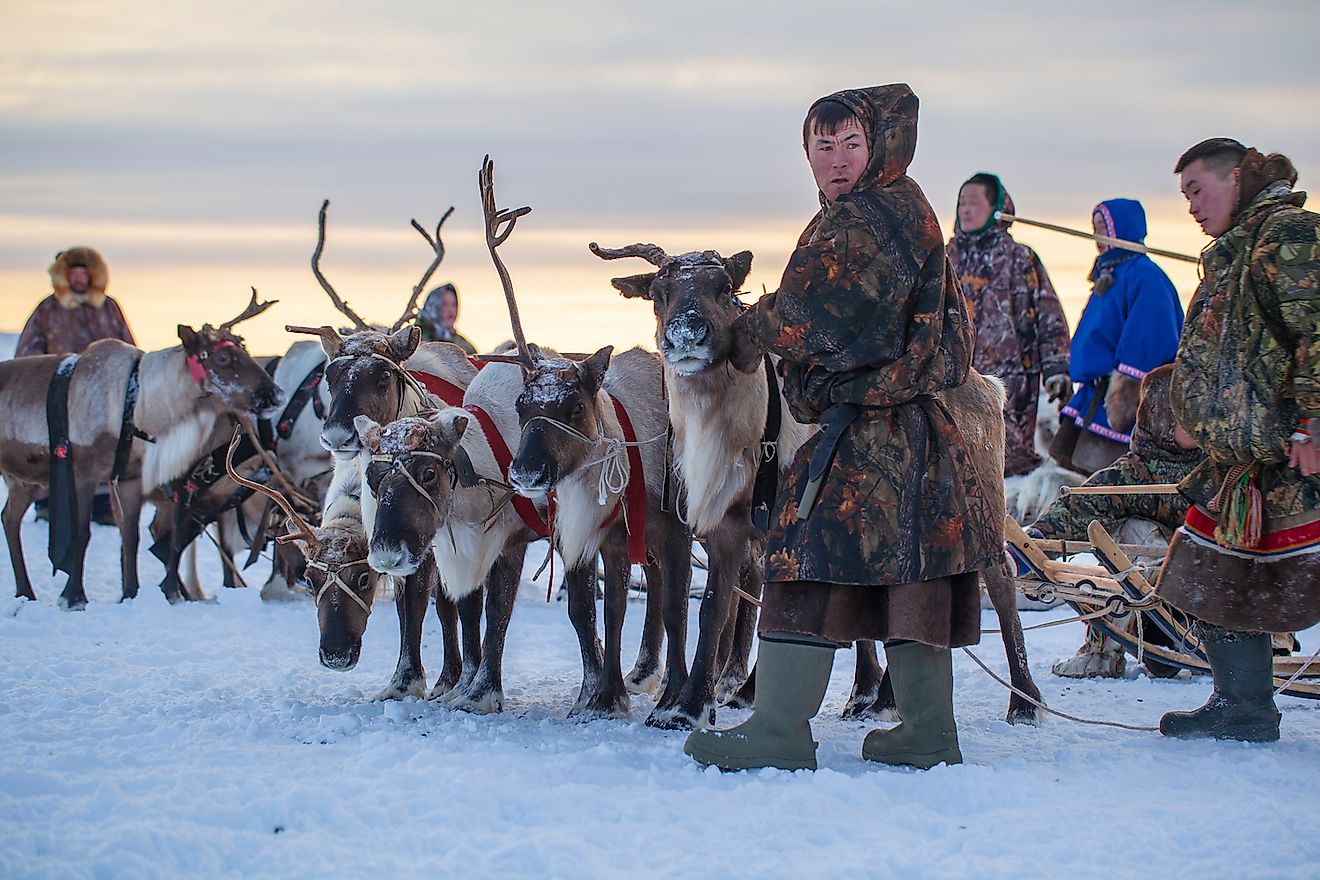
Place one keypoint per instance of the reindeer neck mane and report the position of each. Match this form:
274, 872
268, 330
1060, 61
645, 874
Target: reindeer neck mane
171, 409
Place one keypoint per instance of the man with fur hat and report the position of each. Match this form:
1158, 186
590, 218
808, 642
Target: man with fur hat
883, 520
1246, 387
78, 312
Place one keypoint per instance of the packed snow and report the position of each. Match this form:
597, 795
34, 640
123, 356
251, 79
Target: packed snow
205, 740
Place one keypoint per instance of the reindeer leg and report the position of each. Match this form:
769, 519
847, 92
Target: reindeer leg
676, 580
20, 499
646, 674
226, 526
446, 609
726, 548
1003, 596
484, 695
737, 684
126, 502
611, 697
74, 598
470, 608
581, 584
872, 696
410, 598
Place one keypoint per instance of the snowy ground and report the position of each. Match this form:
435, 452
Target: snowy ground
205, 740
143, 740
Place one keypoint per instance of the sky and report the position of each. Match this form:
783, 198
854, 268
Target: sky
192, 143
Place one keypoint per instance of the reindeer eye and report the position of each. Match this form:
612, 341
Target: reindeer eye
364, 580
579, 408
428, 475
384, 379
221, 358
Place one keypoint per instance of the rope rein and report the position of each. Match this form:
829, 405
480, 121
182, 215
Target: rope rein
333, 579
613, 477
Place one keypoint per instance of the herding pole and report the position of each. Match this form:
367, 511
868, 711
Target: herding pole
1103, 239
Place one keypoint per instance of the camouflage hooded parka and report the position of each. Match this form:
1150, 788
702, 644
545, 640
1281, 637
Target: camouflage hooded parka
868, 315
1021, 331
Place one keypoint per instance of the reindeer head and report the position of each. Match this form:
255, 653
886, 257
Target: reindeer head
344, 587
366, 377
411, 474
560, 404
220, 364
695, 300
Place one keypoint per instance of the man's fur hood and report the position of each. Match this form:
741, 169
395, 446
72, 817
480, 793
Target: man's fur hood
59, 277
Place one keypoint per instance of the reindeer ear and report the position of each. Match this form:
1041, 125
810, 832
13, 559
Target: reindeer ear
188, 336
368, 432
591, 372
738, 266
331, 342
405, 342
634, 286
451, 426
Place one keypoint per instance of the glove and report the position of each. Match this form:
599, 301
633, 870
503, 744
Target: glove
1059, 388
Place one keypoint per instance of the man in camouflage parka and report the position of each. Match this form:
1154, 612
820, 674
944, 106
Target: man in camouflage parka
882, 521
1246, 386
1160, 453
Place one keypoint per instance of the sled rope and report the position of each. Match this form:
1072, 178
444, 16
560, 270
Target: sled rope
1298, 674
1039, 705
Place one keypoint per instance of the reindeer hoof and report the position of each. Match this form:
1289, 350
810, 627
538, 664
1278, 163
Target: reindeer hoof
441, 689
641, 681
72, 603
400, 690
727, 688
872, 711
676, 718
487, 703
1092, 664
601, 707
1022, 712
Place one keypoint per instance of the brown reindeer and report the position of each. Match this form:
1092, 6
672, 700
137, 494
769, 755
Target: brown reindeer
587, 426
117, 395
384, 375
718, 413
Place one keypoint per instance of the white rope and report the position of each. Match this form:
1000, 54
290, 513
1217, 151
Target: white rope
613, 476
332, 579
1039, 705
1298, 674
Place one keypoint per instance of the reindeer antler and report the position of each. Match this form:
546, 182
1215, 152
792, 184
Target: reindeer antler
653, 254
358, 323
304, 531
439, 247
494, 238
253, 309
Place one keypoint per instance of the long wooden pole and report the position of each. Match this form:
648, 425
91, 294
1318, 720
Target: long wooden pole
1103, 239
1152, 489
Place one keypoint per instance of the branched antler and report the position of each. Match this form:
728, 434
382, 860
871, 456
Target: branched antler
253, 309
303, 530
439, 247
653, 254
494, 238
358, 323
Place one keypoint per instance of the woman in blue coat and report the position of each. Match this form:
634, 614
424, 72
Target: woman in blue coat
1130, 326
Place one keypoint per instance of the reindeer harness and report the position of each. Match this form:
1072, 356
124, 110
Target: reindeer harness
333, 579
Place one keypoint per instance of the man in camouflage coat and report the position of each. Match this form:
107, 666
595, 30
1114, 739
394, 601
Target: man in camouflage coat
1246, 386
1160, 453
883, 520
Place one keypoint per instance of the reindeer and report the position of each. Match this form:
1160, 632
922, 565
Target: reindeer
384, 375
204, 496
117, 396
718, 412
587, 427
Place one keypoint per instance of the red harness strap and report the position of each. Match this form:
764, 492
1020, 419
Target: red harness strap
635, 516
503, 458
447, 391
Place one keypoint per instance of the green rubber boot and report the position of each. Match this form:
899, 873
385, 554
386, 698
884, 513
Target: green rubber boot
790, 683
1241, 706
923, 694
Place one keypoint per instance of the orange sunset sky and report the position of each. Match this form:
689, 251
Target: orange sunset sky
192, 143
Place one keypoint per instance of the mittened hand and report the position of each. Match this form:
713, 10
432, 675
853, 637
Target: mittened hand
1058, 388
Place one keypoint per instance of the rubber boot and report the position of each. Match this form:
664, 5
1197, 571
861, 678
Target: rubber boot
791, 678
1241, 706
923, 692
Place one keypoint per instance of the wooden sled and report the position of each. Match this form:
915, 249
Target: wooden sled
1119, 586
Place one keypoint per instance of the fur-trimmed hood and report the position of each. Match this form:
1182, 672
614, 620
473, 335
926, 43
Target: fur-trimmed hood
59, 277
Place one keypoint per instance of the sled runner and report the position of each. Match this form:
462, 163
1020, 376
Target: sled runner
1116, 588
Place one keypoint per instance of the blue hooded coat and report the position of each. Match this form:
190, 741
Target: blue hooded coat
1131, 323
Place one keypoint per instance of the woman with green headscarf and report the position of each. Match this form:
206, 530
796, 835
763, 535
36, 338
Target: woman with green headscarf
1021, 332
